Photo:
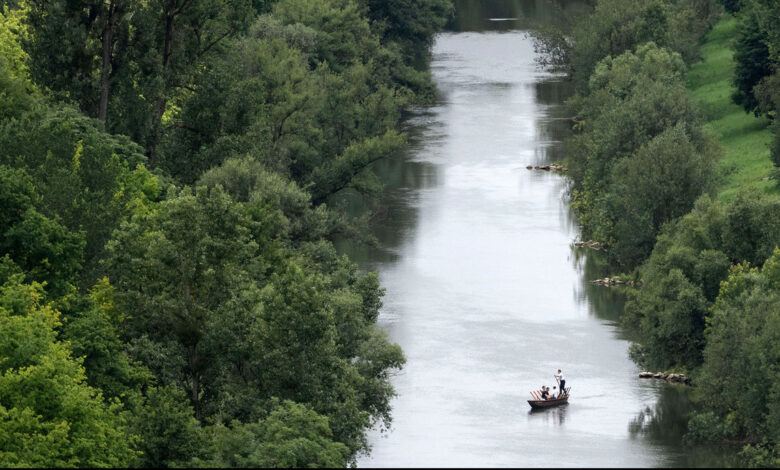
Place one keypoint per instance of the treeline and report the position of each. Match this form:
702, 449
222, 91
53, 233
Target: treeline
169, 294
644, 181
757, 56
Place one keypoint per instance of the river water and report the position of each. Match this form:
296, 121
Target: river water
485, 293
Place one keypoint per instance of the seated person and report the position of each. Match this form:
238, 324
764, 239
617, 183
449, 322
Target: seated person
554, 394
545, 393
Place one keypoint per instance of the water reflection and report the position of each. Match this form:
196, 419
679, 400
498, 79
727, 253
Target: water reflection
555, 416
506, 15
404, 179
606, 303
664, 424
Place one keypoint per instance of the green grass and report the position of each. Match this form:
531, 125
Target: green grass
744, 137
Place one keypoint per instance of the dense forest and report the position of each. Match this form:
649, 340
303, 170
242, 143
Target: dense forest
169, 291
648, 183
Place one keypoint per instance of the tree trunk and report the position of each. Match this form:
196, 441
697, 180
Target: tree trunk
170, 16
105, 71
194, 379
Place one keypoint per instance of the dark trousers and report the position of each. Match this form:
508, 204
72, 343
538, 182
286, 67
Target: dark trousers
563, 387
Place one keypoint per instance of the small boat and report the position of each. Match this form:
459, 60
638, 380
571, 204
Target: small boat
539, 403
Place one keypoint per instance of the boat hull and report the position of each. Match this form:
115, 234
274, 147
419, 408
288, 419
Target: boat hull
540, 404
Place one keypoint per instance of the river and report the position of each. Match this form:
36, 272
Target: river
485, 293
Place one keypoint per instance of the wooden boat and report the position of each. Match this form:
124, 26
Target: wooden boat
539, 403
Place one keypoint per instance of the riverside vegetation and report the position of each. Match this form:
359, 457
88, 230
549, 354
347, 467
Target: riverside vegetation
675, 181
169, 292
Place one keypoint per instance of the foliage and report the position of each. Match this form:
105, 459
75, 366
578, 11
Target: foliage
639, 131
169, 434
757, 53
410, 24
45, 250
211, 283
49, 416
751, 56
739, 376
618, 26
92, 331
80, 173
764, 455
683, 276
222, 303
292, 435
12, 34
732, 6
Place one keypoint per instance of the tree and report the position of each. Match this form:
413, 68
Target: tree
638, 118
42, 247
751, 228
76, 48
125, 61
752, 64
693, 254
732, 6
411, 25
674, 321
49, 416
616, 26
81, 173
170, 436
13, 33
658, 184
176, 266
292, 435
739, 378
92, 332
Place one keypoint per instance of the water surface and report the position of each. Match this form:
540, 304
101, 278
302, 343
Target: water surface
485, 293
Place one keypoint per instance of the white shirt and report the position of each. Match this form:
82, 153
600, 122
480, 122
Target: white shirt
559, 376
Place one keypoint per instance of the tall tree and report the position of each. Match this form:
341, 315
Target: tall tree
49, 416
74, 48
752, 63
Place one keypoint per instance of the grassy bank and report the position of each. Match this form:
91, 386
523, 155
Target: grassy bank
744, 137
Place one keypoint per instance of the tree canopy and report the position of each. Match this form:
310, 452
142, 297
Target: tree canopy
166, 169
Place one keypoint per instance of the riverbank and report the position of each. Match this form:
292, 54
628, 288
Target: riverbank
674, 180
743, 136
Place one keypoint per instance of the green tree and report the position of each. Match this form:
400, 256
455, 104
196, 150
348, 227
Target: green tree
170, 436
13, 32
695, 252
42, 247
49, 416
752, 64
292, 435
674, 319
77, 48
656, 185
92, 331
739, 379
638, 118
174, 267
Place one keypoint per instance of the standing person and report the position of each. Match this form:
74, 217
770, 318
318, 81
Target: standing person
561, 381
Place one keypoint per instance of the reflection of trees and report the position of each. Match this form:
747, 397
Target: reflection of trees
605, 303
666, 423
552, 126
474, 15
554, 92
393, 214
